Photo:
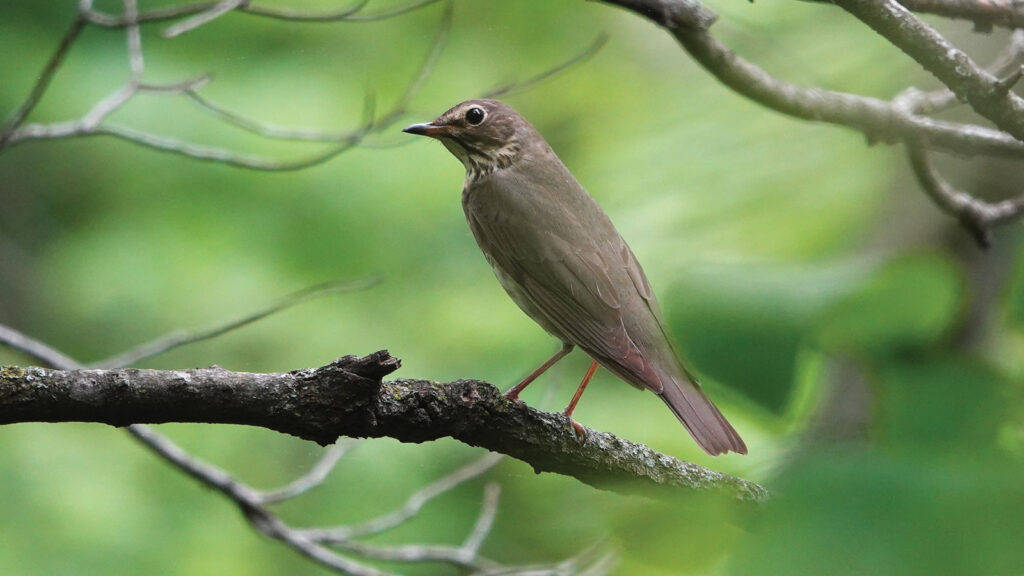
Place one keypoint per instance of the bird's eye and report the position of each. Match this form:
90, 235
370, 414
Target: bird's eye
475, 116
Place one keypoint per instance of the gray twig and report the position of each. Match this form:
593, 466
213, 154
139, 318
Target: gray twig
901, 120
516, 87
205, 17
94, 122
163, 14
977, 216
39, 88
952, 66
316, 475
410, 508
181, 338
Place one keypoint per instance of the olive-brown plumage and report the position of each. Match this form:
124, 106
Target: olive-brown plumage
562, 261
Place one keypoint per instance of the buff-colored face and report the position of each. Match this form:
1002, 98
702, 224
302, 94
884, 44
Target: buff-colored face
483, 134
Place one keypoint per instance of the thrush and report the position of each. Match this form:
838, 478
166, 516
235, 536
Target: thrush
560, 258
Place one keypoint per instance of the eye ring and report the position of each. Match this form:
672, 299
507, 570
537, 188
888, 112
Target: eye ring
475, 115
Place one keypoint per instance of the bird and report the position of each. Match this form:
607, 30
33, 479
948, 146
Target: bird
560, 258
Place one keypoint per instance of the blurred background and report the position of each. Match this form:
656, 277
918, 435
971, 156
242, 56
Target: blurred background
867, 351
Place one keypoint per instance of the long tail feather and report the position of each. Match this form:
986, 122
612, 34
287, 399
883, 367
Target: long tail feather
701, 418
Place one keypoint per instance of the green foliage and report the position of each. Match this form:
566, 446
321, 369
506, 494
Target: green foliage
753, 229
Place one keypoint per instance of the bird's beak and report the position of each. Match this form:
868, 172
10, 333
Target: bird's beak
427, 129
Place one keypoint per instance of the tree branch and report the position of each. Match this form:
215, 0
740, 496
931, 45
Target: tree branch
877, 119
983, 13
945, 61
977, 216
348, 398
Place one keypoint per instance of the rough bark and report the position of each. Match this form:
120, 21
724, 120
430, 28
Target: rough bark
348, 398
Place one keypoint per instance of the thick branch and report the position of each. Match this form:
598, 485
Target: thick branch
348, 398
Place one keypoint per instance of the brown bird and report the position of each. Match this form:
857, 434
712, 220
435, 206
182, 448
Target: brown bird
562, 261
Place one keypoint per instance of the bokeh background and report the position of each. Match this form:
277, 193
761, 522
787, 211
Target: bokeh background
868, 353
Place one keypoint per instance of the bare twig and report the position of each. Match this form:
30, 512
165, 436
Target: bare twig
879, 120
181, 338
410, 508
516, 87
39, 88
952, 66
316, 475
205, 17
347, 14
248, 501
38, 351
916, 101
977, 216
94, 122
983, 13
484, 521
398, 109
135, 58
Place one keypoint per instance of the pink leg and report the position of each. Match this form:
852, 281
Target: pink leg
576, 397
513, 394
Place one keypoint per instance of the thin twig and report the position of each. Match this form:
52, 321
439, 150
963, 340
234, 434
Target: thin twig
347, 14
437, 45
316, 475
410, 508
484, 521
248, 500
951, 65
136, 63
974, 214
916, 101
180, 338
43, 82
204, 17
268, 130
43, 353
517, 87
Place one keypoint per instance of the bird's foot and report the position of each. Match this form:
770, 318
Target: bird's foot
581, 432
513, 396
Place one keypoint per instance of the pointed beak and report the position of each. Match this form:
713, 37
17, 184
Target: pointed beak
426, 129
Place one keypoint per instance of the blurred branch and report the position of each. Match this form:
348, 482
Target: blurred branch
952, 66
902, 120
985, 14
348, 398
1005, 65
180, 338
43, 82
349, 13
516, 87
94, 122
977, 216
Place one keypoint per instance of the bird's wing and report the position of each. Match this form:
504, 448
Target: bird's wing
578, 291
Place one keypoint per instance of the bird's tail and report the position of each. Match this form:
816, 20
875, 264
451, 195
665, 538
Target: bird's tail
700, 417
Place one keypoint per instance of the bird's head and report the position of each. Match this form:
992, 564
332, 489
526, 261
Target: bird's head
484, 134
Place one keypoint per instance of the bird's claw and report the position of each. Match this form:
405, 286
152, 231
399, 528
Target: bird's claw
581, 432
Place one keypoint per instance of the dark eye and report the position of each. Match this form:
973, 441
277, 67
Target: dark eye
475, 116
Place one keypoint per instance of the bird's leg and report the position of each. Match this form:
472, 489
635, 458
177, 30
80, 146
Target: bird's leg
576, 398
513, 394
